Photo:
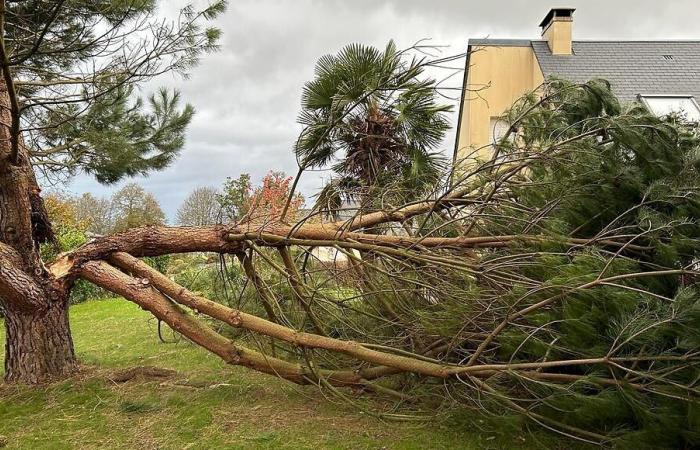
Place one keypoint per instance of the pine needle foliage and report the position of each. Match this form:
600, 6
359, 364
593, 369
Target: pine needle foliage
76, 67
580, 309
598, 170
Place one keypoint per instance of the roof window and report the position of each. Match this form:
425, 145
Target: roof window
663, 105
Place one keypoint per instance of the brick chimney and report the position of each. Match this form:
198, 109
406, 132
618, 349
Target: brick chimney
556, 30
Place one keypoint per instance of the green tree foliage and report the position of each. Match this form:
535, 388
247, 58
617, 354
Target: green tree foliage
234, 197
132, 139
374, 117
75, 66
204, 274
580, 165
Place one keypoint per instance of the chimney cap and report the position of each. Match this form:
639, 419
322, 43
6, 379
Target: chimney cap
556, 12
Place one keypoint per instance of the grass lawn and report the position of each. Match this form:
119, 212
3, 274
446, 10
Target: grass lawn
207, 405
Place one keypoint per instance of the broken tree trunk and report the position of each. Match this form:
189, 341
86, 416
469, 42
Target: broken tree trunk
38, 343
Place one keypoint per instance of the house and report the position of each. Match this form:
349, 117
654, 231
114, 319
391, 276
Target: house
664, 75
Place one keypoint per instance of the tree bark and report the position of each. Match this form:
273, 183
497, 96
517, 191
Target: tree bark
38, 346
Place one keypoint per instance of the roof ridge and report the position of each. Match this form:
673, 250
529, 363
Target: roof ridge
617, 41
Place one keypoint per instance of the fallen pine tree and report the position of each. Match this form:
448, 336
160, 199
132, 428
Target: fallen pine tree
556, 281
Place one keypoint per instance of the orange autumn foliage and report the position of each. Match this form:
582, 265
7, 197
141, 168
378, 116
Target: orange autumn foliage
266, 202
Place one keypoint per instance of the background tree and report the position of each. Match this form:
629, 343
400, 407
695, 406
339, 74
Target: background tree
72, 227
95, 212
68, 103
234, 196
240, 200
201, 207
68, 225
267, 201
373, 116
133, 207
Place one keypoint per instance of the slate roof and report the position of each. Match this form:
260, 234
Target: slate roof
632, 67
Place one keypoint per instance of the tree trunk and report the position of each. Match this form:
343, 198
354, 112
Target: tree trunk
38, 342
38, 346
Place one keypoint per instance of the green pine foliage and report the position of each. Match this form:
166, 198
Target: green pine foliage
132, 139
600, 281
599, 170
77, 66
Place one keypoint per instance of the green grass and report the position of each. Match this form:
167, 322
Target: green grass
230, 407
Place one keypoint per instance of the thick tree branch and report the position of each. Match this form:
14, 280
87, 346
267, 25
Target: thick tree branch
149, 241
160, 240
12, 93
142, 293
240, 319
17, 287
386, 363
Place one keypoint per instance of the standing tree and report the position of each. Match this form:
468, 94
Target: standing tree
133, 207
95, 212
68, 104
234, 196
267, 201
68, 226
201, 207
240, 201
375, 118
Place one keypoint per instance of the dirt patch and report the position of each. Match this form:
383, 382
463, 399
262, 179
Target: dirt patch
142, 373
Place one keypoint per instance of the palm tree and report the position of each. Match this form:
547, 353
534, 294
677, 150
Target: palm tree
374, 119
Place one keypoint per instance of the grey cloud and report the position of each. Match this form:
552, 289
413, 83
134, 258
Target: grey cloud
247, 95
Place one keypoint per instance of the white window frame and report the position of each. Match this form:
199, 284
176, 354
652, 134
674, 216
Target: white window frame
643, 98
498, 128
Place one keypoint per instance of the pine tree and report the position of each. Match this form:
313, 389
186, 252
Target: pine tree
578, 165
69, 104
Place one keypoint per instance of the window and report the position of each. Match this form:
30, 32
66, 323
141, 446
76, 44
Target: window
498, 128
663, 105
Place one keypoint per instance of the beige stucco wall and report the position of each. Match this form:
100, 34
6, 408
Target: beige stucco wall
497, 77
558, 36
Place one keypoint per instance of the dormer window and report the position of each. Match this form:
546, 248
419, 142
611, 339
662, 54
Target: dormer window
662, 105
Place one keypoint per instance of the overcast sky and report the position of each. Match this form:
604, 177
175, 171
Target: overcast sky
247, 95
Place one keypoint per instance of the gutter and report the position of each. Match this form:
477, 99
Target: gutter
459, 117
